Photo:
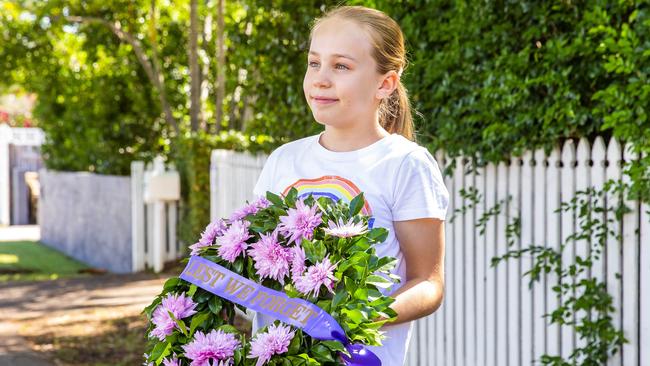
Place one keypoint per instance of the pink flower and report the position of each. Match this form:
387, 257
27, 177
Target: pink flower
300, 222
250, 209
345, 230
275, 341
179, 305
271, 258
262, 202
321, 273
211, 231
297, 261
233, 242
171, 362
216, 346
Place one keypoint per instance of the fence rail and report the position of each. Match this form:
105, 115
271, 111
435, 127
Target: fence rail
489, 315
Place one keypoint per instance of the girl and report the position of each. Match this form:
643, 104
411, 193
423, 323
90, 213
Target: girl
353, 87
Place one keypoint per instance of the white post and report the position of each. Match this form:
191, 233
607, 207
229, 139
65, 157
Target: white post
171, 231
137, 216
5, 139
214, 160
158, 239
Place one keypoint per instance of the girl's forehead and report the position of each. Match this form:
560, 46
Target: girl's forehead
337, 36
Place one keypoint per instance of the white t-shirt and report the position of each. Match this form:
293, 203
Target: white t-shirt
400, 181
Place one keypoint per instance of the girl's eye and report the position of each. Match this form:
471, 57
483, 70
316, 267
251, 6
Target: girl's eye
337, 66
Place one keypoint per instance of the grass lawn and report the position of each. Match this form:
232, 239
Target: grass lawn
29, 260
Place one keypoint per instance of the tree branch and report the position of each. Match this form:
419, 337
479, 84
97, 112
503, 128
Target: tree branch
153, 72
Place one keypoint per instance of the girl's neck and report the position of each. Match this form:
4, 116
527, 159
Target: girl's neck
344, 140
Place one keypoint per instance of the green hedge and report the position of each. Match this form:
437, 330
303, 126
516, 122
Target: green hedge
488, 79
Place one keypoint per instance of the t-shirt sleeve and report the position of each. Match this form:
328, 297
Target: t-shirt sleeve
420, 191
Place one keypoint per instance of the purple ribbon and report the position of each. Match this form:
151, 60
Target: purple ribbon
298, 312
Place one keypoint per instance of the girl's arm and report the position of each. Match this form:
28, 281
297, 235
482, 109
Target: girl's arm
422, 242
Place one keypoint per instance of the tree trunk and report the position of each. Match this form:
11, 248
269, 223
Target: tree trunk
151, 69
220, 82
195, 78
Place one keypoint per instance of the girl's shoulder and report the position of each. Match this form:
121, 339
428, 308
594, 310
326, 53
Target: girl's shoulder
292, 147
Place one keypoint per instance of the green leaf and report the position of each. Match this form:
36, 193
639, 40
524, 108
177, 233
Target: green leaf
361, 294
378, 234
340, 296
228, 329
291, 197
171, 283
356, 204
322, 353
378, 281
315, 251
180, 323
294, 346
238, 266
335, 346
160, 351
192, 290
197, 320
215, 305
274, 198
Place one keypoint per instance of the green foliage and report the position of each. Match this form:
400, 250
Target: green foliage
93, 98
493, 79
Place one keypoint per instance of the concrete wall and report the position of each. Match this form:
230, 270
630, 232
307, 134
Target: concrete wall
88, 217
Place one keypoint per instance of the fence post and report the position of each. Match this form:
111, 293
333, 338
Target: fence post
5, 138
137, 216
158, 237
214, 161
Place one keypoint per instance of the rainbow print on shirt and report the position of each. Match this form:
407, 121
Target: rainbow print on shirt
331, 186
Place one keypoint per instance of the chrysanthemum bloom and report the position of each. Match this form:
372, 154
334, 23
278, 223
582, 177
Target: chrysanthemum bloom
345, 230
213, 349
275, 341
271, 258
300, 222
179, 305
171, 362
250, 209
233, 242
211, 231
321, 273
262, 202
297, 261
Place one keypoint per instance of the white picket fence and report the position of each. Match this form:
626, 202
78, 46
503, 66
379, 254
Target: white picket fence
232, 178
490, 316
155, 192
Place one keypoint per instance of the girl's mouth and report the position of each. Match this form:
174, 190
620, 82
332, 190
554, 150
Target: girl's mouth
324, 101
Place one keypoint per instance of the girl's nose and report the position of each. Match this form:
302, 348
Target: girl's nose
321, 79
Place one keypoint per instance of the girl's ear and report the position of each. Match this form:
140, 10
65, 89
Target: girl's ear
389, 82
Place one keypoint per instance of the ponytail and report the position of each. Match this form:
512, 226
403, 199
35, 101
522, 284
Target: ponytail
395, 113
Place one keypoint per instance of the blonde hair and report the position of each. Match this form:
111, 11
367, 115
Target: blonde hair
390, 54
